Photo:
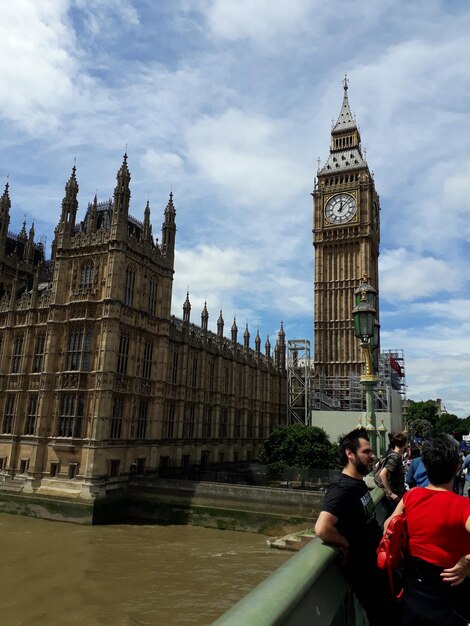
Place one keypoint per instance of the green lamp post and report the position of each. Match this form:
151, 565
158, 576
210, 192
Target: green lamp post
381, 436
366, 328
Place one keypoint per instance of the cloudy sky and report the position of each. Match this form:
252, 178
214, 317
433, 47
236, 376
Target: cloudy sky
229, 104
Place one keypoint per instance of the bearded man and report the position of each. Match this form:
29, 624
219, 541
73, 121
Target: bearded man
347, 521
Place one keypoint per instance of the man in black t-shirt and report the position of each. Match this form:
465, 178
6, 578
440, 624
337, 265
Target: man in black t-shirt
347, 521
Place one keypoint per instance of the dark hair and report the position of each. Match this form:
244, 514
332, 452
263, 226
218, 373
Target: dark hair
398, 439
350, 441
415, 452
441, 458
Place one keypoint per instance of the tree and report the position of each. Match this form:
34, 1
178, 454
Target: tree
452, 424
422, 428
424, 410
299, 446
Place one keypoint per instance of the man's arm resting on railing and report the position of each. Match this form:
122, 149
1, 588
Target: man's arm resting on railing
325, 528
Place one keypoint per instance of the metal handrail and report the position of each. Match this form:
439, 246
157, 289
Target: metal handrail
309, 589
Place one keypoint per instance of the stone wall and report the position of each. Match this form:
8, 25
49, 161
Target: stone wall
166, 501
221, 505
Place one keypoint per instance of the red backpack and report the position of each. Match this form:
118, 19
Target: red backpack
392, 549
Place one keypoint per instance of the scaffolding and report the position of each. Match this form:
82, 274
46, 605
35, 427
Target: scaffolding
337, 393
298, 381
392, 371
311, 391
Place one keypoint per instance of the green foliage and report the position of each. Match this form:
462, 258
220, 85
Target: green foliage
426, 410
299, 446
422, 428
450, 423
422, 415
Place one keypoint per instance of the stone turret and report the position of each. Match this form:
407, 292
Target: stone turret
122, 196
5, 206
187, 309
147, 230
267, 348
281, 340
169, 231
66, 226
29, 248
258, 344
234, 333
204, 317
220, 326
246, 339
93, 217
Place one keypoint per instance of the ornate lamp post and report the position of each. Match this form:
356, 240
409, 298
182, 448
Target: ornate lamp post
366, 329
406, 422
381, 433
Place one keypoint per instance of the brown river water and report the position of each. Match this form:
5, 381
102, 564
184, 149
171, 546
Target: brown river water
125, 575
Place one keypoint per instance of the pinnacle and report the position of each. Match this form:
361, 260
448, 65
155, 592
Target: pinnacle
345, 119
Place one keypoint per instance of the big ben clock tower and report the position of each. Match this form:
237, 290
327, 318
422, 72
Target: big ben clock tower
346, 235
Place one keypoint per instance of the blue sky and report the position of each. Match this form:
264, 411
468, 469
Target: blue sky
229, 104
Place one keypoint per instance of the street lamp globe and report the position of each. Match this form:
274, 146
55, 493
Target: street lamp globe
367, 291
364, 312
364, 319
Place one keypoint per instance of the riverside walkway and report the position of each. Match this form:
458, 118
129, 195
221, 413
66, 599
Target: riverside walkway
308, 590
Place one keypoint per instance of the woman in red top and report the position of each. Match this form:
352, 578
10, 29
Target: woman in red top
437, 571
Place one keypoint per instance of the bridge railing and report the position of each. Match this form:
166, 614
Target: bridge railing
308, 590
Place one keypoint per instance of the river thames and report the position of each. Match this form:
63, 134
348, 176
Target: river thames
125, 575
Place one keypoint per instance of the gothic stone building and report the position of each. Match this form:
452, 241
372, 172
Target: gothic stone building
97, 379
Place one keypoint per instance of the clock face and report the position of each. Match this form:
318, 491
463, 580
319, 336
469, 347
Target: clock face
340, 208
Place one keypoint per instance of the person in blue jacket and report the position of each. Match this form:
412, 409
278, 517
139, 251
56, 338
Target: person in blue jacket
416, 476
466, 466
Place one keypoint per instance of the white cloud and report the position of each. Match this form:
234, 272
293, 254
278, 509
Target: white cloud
411, 100
161, 164
40, 77
407, 276
437, 361
101, 15
248, 155
209, 268
455, 197
449, 310
259, 20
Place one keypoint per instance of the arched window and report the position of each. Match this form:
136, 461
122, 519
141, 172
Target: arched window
86, 276
152, 302
71, 415
78, 350
129, 287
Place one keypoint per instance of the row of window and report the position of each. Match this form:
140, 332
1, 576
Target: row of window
73, 468
138, 428
72, 409
212, 376
344, 142
54, 467
77, 357
87, 273
165, 463
240, 428
114, 465
70, 419
151, 291
69, 423
347, 178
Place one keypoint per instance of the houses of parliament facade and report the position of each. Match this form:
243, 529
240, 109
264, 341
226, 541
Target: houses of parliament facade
98, 380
